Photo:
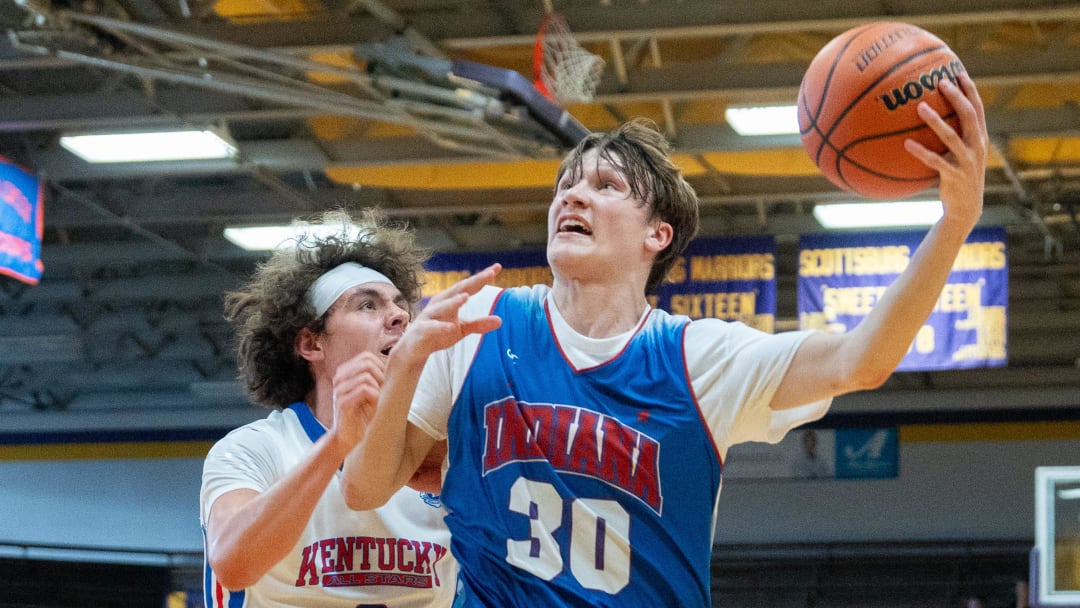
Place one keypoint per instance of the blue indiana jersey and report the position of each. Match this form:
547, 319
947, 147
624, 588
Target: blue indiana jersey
592, 487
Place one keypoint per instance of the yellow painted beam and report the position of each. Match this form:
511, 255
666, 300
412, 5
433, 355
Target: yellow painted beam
990, 431
106, 451
470, 176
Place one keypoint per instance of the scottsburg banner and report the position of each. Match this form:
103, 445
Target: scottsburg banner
842, 277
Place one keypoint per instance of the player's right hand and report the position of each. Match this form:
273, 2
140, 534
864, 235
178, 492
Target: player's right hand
356, 393
962, 170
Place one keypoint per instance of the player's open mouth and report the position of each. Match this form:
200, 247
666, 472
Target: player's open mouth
574, 226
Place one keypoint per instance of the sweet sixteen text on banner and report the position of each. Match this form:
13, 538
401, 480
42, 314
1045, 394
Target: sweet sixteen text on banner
723, 278
842, 276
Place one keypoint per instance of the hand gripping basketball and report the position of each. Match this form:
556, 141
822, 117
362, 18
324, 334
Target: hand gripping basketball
858, 102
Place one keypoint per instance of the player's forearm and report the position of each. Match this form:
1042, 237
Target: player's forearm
246, 544
882, 339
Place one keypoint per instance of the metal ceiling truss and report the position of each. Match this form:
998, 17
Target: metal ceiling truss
127, 329
452, 116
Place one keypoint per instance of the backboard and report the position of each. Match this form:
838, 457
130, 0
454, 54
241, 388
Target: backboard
1056, 567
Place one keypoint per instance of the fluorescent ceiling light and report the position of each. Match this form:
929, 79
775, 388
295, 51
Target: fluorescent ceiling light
189, 144
266, 238
763, 120
878, 215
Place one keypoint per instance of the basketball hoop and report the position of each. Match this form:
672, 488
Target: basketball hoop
563, 71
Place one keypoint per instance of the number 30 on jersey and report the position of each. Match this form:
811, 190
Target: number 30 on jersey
599, 548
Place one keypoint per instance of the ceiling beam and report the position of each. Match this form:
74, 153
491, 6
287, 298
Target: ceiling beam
299, 154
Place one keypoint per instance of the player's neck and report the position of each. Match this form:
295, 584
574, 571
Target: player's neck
321, 403
599, 311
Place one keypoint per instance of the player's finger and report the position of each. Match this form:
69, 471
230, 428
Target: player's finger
937, 124
928, 157
347, 385
971, 129
972, 94
363, 364
445, 307
481, 325
472, 284
369, 394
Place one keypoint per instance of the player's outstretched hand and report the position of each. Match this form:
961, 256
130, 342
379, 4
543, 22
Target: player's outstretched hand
439, 325
962, 170
356, 392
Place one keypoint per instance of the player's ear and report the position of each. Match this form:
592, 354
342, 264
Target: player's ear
308, 345
658, 236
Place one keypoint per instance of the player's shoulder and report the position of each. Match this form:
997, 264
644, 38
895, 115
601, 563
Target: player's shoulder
484, 300
721, 327
659, 316
270, 427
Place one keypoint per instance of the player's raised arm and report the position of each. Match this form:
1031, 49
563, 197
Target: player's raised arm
828, 365
393, 449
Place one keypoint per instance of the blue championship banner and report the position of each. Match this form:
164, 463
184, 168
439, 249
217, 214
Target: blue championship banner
723, 278
21, 223
519, 268
842, 276
729, 278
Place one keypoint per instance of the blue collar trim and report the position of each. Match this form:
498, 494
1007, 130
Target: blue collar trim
311, 425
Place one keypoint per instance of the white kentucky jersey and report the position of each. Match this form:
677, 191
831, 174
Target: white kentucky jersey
396, 556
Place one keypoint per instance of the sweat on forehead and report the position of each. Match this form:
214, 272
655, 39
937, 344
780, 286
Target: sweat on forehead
336, 281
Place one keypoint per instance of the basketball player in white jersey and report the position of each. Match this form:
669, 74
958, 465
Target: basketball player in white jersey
587, 433
314, 327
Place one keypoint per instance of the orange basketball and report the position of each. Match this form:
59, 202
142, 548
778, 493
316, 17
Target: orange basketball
857, 104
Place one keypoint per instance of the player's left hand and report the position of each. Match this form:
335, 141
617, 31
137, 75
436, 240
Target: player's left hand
438, 326
961, 171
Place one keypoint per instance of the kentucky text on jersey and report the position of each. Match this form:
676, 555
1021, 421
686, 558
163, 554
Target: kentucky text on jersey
352, 561
575, 440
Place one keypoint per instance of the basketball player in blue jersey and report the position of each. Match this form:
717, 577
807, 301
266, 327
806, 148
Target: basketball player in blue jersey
587, 434
313, 329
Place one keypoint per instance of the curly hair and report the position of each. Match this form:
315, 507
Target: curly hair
641, 153
269, 311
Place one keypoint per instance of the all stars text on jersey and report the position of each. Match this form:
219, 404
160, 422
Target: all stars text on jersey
365, 560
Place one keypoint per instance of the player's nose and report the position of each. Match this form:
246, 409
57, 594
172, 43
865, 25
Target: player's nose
398, 318
576, 195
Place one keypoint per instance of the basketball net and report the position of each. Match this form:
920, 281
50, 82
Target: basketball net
563, 71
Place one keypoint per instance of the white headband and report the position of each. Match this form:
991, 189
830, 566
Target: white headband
329, 287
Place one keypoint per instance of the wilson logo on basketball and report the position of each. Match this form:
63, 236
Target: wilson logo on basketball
927, 81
